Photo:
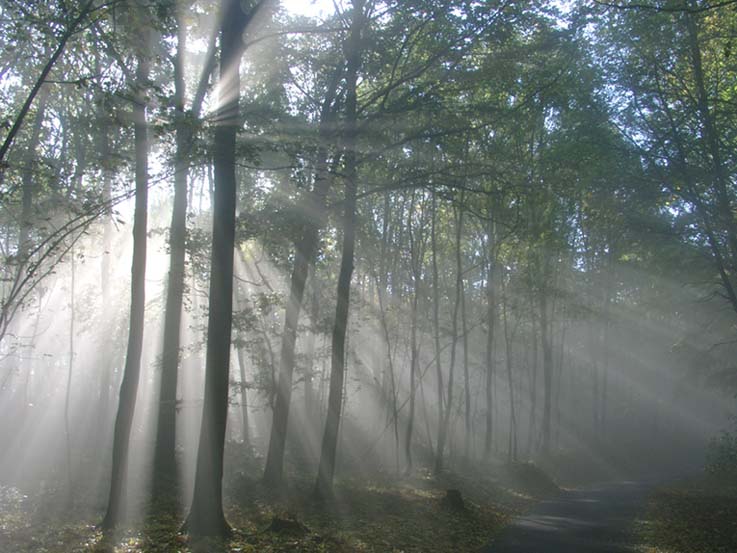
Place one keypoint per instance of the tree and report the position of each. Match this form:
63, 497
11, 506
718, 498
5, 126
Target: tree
304, 255
328, 452
206, 517
132, 370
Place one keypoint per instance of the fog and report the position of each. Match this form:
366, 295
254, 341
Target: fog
338, 266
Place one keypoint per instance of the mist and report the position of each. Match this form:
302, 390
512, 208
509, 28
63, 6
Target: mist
367, 276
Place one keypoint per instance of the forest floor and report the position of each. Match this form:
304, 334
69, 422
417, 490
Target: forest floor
698, 515
381, 514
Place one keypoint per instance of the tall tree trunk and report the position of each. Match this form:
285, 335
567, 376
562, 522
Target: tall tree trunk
559, 385
491, 322
416, 255
106, 375
206, 517
165, 464
305, 251
245, 424
326, 469
466, 376
533, 375
445, 422
392, 372
512, 451
70, 372
132, 369
310, 401
547, 345
436, 317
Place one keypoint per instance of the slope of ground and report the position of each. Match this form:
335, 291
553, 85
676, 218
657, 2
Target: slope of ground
693, 516
382, 514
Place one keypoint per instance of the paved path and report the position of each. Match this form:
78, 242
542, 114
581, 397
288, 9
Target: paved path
595, 520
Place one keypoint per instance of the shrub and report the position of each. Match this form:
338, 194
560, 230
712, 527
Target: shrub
721, 457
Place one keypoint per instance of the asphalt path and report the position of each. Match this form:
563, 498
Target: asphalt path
594, 520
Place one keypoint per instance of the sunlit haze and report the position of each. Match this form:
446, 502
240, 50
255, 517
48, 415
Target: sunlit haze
368, 276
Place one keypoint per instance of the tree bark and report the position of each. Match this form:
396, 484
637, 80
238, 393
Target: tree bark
445, 421
132, 369
326, 469
206, 516
305, 251
165, 463
491, 322
512, 451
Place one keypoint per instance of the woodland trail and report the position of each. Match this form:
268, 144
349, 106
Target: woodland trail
594, 520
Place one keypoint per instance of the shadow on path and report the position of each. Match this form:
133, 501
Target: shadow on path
595, 520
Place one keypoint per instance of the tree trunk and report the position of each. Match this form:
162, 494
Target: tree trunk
326, 470
245, 430
305, 251
165, 464
132, 370
466, 376
416, 255
512, 451
547, 344
491, 322
70, 372
445, 421
436, 319
311, 409
206, 517
533, 375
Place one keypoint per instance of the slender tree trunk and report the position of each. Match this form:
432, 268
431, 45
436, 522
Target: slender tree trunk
512, 451
165, 463
326, 469
132, 369
70, 371
559, 385
206, 517
466, 376
392, 372
533, 375
445, 422
436, 319
106, 374
305, 251
416, 254
245, 430
491, 322
547, 344
311, 409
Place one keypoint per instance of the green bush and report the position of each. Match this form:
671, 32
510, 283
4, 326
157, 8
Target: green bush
721, 458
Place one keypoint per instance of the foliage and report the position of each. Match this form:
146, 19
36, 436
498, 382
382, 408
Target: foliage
721, 461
